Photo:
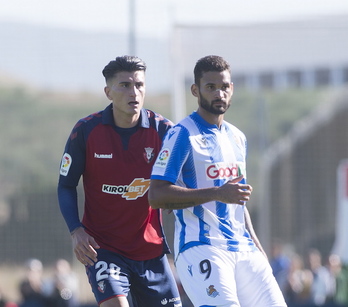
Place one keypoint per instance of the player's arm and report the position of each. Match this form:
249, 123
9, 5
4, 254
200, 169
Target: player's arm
166, 195
83, 244
67, 198
251, 230
72, 167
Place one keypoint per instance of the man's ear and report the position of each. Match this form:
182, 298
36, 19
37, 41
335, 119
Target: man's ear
106, 91
194, 90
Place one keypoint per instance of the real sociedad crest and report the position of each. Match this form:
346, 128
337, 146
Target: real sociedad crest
211, 291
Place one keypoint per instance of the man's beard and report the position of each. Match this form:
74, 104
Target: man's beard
209, 107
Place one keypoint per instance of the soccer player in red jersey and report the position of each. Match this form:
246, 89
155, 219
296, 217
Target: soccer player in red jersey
120, 239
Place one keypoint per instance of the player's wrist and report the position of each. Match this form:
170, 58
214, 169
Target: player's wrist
75, 229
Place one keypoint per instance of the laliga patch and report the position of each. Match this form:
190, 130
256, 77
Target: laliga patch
66, 163
163, 158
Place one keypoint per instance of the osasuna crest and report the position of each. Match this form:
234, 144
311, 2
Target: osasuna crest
148, 154
101, 286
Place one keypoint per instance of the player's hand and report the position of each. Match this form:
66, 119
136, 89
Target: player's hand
233, 192
84, 246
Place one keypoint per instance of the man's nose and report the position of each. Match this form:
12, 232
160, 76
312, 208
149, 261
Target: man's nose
133, 91
219, 92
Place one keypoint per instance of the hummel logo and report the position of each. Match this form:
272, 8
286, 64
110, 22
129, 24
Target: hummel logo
103, 156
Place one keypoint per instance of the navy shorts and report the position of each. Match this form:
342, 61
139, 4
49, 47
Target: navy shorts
151, 282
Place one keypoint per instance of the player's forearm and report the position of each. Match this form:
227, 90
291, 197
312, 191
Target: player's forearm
250, 228
168, 196
67, 197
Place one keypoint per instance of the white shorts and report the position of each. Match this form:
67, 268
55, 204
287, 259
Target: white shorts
214, 277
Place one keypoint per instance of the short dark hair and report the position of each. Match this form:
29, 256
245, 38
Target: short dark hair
210, 63
123, 63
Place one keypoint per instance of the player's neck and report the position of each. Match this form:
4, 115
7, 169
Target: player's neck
124, 121
213, 119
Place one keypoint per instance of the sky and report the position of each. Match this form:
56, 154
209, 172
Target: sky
156, 17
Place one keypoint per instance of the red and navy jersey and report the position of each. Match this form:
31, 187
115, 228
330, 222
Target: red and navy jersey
116, 172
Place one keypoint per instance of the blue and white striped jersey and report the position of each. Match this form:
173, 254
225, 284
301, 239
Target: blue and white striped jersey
196, 154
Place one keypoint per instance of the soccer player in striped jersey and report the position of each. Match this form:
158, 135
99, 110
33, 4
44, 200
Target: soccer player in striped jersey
200, 175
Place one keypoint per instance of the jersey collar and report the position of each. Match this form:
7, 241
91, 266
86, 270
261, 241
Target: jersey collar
199, 119
108, 118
